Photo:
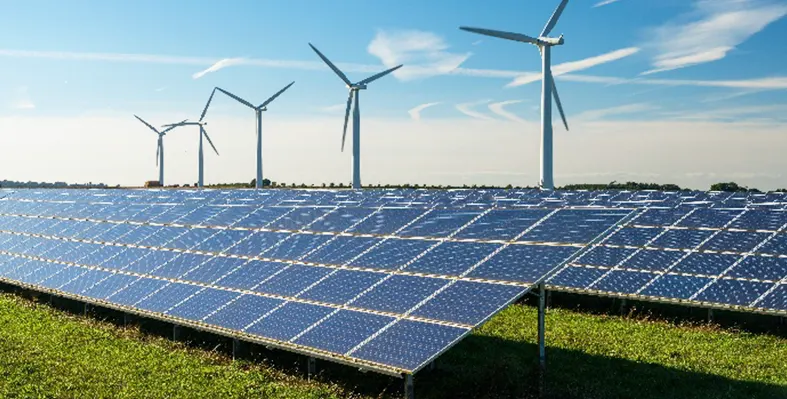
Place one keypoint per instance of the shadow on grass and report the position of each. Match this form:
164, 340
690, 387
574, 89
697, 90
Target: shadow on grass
485, 367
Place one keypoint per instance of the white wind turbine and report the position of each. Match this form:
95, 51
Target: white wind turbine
355, 89
202, 132
548, 88
159, 148
258, 112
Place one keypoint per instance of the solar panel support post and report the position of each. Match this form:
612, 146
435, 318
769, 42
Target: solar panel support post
623, 306
710, 315
542, 355
239, 349
85, 309
409, 387
177, 332
127, 319
311, 367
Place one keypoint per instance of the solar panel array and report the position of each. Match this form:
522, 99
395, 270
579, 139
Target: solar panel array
724, 258
385, 287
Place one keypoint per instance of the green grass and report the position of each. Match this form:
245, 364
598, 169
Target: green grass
50, 353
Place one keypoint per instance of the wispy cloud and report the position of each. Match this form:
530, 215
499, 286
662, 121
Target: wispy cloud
714, 29
597, 114
423, 53
574, 66
219, 65
466, 108
415, 112
772, 83
22, 99
332, 109
604, 3
499, 109
160, 89
754, 112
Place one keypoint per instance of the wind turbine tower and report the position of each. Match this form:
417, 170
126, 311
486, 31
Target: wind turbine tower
258, 112
354, 89
202, 132
548, 88
159, 149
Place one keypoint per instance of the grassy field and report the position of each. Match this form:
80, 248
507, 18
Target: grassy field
50, 353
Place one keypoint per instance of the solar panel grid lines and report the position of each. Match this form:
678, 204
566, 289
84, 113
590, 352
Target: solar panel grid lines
600, 278
241, 291
695, 249
738, 262
381, 281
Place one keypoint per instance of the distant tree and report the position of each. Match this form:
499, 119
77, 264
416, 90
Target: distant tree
781, 190
732, 187
509, 187
331, 185
341, 185
253, 182
323, 185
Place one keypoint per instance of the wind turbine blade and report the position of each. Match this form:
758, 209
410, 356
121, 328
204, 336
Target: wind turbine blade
555, 16
205, 132
330, 64
147, 124
347, 117
557, 101
205, 111
503, 35
238, 99
371, 79
172, 126
273, 97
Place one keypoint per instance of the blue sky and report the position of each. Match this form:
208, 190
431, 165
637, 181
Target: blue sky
680, 72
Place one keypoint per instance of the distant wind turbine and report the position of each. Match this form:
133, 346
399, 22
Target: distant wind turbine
258, 112
355, 89
202, 132
159, 148
548, 88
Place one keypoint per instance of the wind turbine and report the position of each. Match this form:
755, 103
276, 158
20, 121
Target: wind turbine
354, 89
202, 132
159, 149
548, 88
258, 112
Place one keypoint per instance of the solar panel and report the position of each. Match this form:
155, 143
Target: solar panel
724, 258
387, 288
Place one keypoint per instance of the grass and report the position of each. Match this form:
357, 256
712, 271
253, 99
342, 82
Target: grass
50, 353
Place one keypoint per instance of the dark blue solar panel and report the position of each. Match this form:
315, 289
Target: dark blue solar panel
257, 243
169, 296
648, 259
623, 281
222, 241
386, 221
191, 238
760, 220
709, 218
297, 246
84, 282
525, 263
705, 263
213, 269
468, 302
299, 218
777, 299
287, 321
343, 331
341, 249
63, 277
393, 254
682, 239
341, 286
242, 312
261, 217
407, 343
176, 267
605, 256
660, 217
202, 304
576, 277
250, 274
638, 237
112, 284
452, 258
136, 291
760, 268
503, 224
775, 246
573, 226
292, 280
439, 223
733, 292
735, 241
399, 293
341, 219
675, 287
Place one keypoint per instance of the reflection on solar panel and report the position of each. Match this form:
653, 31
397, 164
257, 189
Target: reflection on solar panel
724, 258
347, 276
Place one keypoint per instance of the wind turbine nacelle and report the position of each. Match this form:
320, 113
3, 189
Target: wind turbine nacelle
358, 87
551, 41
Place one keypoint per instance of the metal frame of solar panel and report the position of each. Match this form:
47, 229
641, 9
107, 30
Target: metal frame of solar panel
717, 258
382, 288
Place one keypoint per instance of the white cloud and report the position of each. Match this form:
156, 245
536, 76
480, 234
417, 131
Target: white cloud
604, 3
755, 112
499, 109
573, 66
160, 89
598, 114
772, 83
415, 112
714, 28
466, 108
221, 64
332, 109
22, 99
423, 53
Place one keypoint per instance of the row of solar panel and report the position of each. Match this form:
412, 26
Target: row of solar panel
516, 263
405, 222
374, 198
378, 338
